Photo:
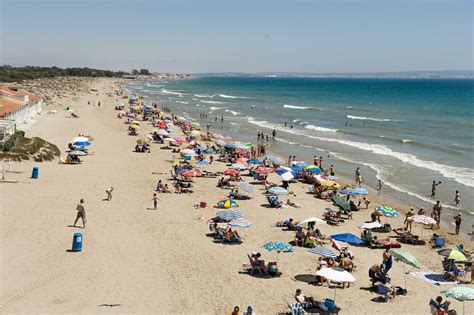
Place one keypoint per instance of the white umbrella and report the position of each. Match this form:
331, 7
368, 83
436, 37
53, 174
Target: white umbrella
287, 176
370, 225
239, 166
80, 139
316, 221
162, 132
336, 275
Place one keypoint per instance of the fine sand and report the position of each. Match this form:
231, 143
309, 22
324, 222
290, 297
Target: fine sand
137, 260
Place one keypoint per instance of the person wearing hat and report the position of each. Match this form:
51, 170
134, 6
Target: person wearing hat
408, 215
457, 220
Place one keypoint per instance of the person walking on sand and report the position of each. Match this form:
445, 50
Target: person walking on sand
109, 193
433, 188
379, 187
457, 220
457, 199
408, 222
81, 213
155, 201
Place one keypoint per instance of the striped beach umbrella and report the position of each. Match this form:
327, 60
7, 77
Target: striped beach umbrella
229, 215
240, 223
278, 191
387, 211
322, 251
312, 169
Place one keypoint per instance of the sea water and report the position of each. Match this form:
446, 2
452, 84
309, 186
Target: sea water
406, 132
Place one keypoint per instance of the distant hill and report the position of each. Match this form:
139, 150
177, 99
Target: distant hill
447, 74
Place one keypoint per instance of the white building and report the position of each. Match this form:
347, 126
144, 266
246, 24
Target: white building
18, 105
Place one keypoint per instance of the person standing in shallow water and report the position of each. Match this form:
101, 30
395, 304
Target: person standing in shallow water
379, 187
457, 221
433, 188
457, 199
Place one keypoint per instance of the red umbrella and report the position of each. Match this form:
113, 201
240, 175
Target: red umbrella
231, 172
162, 124
239, 151
242, 160
263, 170
191, 173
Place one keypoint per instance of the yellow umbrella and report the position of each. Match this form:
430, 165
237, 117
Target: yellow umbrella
135, 126
457, 255
330, 183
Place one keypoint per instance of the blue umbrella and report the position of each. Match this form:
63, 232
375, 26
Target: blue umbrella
229, 214
230, 146
387, 211
254, 161
348, 238
278, 191
202, 162
300, 164
241, 223
297, 168
82, 143
247, 187
355, 191
322, 251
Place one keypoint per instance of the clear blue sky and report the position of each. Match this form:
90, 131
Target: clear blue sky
247, 36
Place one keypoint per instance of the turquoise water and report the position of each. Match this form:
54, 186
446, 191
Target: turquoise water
406, 132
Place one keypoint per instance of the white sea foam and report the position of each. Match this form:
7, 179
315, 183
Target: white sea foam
171, 92
204, 95
349, 107
406, 140
464, 176
230, 96
212, 102
195, 99
367, 118
212, 108
294, 106
181, 102
322, 129
234, 113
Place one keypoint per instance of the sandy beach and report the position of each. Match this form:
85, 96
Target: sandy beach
139, 260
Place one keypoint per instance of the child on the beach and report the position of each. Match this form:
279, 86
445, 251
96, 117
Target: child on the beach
155, 201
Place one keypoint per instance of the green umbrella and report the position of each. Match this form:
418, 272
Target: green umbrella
407, 258
461, 294
77, 153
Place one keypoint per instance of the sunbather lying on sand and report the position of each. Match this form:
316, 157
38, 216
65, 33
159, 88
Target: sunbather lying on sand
292, 204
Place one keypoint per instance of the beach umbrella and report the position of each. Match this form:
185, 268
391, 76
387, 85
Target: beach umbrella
162, 132
355, 191
202, 162
241, 223
279, 247
135, 126
300, 164
322, 251
241, 146
220, 142
82, 143
336, 275
191, 173
341, 203
316, 221
229, 215
312, 169
422, 219
263, 170
230, 203
77, 153
231, 172
241, 160
187, 151
407, 258
287, 176
239, 166
277, 160
461, 294
254, 161
330, 183
297, 168
229, 146
452, 254
247, 187
80, 139
387, 211
370, 225
135, 122
348, 238
278, 191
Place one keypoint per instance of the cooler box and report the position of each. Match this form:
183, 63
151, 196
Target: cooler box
77, 242
35, 172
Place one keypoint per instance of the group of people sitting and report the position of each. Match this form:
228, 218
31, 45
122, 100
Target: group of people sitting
234, 194
142, 148
374, 242
267, 268
311, 238
224, 232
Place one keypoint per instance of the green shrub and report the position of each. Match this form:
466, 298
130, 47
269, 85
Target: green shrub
8, 145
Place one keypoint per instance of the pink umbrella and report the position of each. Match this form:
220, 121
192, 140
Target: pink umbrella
263, 170
191, 173
422, 219
231, 172
241, 160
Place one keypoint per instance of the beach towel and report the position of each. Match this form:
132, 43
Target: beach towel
432, 277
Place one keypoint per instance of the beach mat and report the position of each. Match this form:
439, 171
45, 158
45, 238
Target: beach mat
432, 277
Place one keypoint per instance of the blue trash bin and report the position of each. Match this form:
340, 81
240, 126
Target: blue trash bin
77, 242
35, 172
